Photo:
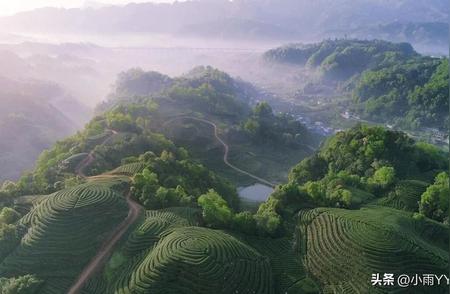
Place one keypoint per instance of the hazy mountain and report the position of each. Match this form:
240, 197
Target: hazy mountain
31, 120
72, 72
426, 36
232, 19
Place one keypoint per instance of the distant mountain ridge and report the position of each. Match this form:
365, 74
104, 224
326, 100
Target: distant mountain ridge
233, 19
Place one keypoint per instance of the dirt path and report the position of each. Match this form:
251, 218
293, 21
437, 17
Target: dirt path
105, 250
79, 170
100, 258
226, 149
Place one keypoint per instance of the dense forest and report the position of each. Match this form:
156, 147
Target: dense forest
341, 59
364, 165
386, 82
413, 94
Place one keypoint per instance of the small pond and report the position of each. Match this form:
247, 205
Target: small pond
255, 192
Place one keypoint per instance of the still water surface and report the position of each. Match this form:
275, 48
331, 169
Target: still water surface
255, 192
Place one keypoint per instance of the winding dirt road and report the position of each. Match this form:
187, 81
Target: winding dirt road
100, 258
79, 170
105, 250
226, 148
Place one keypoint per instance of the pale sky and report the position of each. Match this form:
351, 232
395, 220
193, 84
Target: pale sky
8, 7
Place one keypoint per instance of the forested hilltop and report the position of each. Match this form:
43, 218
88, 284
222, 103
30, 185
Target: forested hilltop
144, 200
385, 82
424, 35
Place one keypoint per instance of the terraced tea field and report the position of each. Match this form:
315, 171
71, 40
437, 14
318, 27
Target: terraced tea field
168, 253
158, 223
201, 260
342, 248
63, 231
129, 169
288, 272
406, 195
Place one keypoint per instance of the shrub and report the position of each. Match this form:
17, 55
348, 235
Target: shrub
27, 284
216, 212
383, 177
434, 201
8, 215
244, 222
267, 218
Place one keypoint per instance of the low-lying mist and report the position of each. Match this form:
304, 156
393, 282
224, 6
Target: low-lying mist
86, 66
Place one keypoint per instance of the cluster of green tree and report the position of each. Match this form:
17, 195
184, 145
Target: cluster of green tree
27, 284
172, 179
135, 81
412, 94
221, 81
341, 59
264, 126
434, 201
203, 89
217, 214
9, 236
355, 167
208, 90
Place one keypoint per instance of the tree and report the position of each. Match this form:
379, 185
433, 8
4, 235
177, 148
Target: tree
28, 284
244, 222
434, 201
216, 212
8, 190
309, 169
145, 184
120, 121
8, 239
383, 177
167, 197
316, 191
410, 94
264, 126
8, 215
267, 218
